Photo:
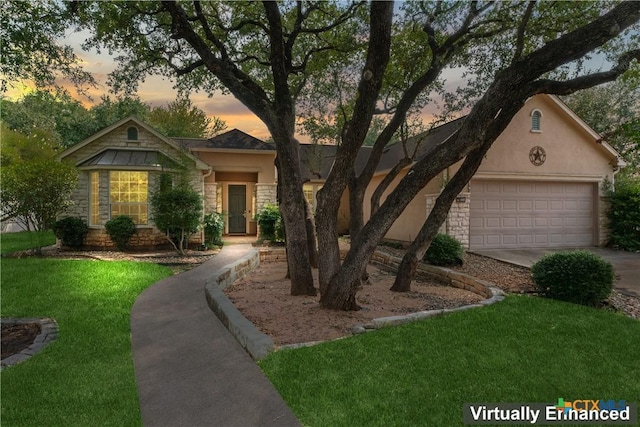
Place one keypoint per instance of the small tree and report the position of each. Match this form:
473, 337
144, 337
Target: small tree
176, 211
35, 187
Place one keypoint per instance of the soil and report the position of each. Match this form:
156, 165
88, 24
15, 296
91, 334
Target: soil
17, 337
263, 297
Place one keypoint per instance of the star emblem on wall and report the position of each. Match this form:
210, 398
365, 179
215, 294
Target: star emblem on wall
537, 156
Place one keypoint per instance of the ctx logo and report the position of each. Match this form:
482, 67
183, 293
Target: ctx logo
590, 405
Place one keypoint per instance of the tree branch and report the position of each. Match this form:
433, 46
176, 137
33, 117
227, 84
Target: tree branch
522, 28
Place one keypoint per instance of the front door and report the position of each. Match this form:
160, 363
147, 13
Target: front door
237, 208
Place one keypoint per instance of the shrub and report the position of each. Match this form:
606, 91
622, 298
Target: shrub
71, 231
444, 250
268, 219
576, 276
120, 230
213, 229
624, 216
176, 211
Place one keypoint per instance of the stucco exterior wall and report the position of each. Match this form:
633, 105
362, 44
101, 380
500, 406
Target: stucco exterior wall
571, 153
242, 162
407, 226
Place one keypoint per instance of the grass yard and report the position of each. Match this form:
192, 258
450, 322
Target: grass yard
523, 349
12, 242
86, 377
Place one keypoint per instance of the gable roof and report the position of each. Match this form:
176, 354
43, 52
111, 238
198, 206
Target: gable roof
232, 140
140, 124
588, 129
317, 160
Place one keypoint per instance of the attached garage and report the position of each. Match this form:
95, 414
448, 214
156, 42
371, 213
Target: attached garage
527, 214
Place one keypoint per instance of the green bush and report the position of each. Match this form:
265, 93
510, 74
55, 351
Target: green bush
120, 229
268, 219
444, 250
213, 229
624, 216
576, 276
71, 231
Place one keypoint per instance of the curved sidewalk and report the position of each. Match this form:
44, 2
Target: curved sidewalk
189, 369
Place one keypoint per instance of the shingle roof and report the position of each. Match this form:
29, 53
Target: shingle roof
317, 160
232, 140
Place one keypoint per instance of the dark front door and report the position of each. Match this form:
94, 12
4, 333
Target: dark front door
237, 208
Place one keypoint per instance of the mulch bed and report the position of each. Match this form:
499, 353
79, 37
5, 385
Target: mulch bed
17, 337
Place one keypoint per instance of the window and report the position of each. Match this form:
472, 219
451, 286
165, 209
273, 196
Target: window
128, 193
94, 198
132, 133
536, 117
310, 192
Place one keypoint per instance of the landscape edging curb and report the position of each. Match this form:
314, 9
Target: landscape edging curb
257, 344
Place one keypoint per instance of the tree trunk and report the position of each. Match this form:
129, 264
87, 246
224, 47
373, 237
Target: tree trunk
293, 212
310, 224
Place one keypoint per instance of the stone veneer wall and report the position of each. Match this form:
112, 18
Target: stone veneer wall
457, 223
265, 193
210, 197
603, 221
146, 236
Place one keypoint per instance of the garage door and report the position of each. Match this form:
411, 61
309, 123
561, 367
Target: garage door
525, 214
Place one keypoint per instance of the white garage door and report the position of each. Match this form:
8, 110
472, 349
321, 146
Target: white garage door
525, 214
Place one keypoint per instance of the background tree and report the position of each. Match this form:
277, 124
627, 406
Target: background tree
65, 118
613, 110
35, 186
181, 118
268, 54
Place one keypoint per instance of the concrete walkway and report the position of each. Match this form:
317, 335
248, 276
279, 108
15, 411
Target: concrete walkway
626, 265
189, 369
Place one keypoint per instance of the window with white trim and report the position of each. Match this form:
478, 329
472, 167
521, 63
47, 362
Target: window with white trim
128, 195
94, 198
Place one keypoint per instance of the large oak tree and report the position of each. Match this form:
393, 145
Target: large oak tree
269, 55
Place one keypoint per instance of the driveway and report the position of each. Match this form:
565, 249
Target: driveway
625, 264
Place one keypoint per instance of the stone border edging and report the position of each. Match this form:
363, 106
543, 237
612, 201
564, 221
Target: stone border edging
257, 344
48, 334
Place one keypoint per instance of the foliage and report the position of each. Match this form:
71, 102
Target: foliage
120, 229
268, 218
30, 49
109, 111
613, 110
91, 302
432, 356
624, 215
65, 119
444, 250
183, 119
176, 211
71, 231
213, 229
579, 276
35, 186
23, 240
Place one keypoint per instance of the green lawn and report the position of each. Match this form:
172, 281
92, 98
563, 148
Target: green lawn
12, 242
86, 377
523, 349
